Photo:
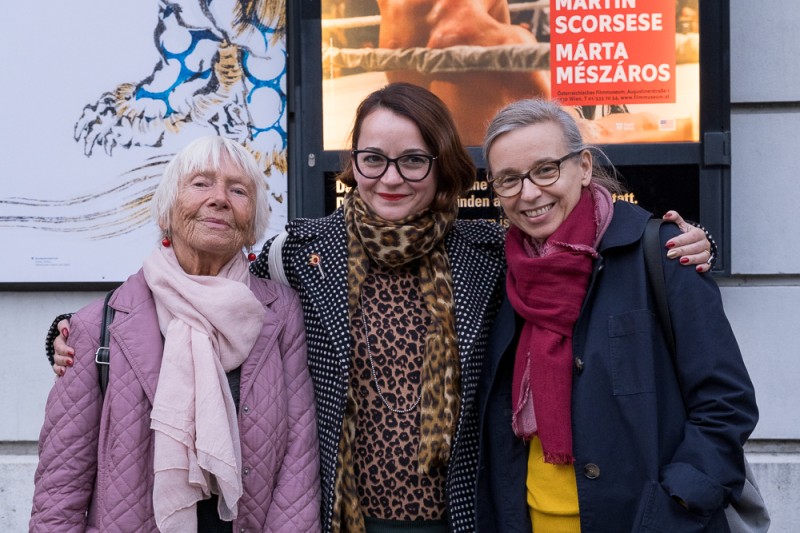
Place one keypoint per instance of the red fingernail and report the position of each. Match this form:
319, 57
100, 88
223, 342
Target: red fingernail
670, 244
684, 260
64, 332
69, 362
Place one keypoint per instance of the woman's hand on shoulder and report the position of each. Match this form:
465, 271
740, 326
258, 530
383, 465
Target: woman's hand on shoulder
63, 357
692, 246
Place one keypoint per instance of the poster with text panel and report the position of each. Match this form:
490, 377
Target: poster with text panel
628, 69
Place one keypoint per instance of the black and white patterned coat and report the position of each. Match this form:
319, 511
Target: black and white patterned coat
475, 250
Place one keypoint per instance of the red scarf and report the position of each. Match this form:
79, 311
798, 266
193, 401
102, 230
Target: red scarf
546, 286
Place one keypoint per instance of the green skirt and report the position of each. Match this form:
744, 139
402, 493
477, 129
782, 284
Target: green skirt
378, 525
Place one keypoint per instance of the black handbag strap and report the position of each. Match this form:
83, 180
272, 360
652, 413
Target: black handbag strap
103, 353
655, 273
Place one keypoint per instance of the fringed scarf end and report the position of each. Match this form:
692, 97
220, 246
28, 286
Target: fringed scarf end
558, 458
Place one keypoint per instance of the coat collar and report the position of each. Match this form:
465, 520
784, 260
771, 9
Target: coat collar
475, 251
627, 226
136, 332
477, 266
324, 242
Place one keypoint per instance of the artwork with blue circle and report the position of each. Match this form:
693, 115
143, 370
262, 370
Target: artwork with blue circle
149, 76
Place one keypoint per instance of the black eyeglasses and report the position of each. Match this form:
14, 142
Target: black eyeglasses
542, 175
411, 167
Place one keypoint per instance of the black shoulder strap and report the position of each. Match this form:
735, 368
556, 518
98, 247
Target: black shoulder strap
655, 273
102, 355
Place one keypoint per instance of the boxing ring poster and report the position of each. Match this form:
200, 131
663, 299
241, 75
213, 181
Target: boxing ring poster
98, 96
628, 69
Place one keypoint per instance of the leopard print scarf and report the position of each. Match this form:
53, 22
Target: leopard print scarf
392, 244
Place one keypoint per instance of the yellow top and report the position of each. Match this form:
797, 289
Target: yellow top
552, 494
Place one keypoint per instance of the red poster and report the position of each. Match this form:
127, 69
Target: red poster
624, 69
612, 52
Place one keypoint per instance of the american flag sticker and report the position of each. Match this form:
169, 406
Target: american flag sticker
666, 124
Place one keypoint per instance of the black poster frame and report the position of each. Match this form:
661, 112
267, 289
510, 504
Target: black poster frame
311, 167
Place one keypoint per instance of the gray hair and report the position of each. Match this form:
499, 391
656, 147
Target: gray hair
202, 154
523, 113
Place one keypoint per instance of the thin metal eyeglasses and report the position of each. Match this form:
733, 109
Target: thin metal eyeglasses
542, 175
411, 167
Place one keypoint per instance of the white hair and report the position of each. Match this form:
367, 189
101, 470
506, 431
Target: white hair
202, 154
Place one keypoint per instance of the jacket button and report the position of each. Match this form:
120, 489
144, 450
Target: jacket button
591, 471
579, 364
246, 409
245, 471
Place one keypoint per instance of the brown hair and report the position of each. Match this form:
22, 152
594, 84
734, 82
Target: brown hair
455, 170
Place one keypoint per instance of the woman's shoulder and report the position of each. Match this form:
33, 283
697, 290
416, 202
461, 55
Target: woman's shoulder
630, 211
310, 227
127, 297
479, 231
130, 291
280, 301
88, 317
298, 233
270, 292
626, 227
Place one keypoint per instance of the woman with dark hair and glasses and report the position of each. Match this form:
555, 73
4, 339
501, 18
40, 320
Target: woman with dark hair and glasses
398, 298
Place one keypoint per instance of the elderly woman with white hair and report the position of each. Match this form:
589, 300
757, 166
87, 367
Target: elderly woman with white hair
208, 422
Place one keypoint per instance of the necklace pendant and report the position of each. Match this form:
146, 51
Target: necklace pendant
385, 402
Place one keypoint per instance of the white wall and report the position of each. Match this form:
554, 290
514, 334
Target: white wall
762, 299
24, 319
24, 383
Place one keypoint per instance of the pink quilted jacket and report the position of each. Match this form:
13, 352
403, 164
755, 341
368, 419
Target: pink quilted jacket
95, 468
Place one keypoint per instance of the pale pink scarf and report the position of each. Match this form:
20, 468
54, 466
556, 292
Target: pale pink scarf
210, 324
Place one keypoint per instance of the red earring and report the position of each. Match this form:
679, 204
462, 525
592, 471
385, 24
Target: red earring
250, 255
165, 242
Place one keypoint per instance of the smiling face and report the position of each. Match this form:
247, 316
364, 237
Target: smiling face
539, 211
390, 196
212, 217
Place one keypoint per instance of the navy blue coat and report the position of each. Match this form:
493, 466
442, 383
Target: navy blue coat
647, 429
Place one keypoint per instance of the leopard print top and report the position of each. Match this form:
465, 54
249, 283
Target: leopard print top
385, 451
